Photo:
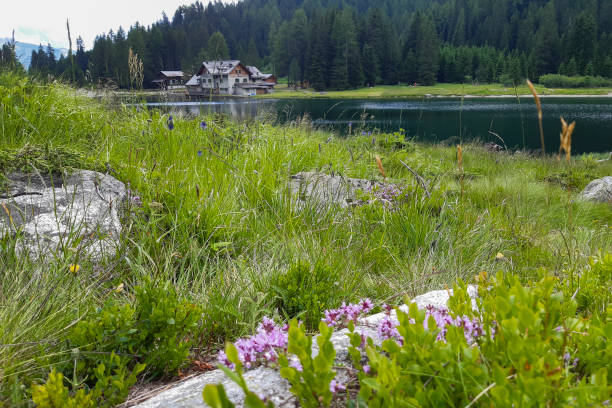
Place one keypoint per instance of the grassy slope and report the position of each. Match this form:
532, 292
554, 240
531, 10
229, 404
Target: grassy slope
397, 91
221, 225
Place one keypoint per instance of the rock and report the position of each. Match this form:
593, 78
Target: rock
57, 212
599, 190
325, 190
267, 382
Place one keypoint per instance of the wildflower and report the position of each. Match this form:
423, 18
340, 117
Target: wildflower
170, 122
335, 386
119, 288
296, 364
203, 125
387, 329
366, 305
222, 358
136, 201
363, 133
367, 369
74, 268
199, 153
499, 256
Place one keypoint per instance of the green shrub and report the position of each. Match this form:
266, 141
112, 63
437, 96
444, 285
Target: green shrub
305, 291
112, 385
158, 331
519, 345
563, 81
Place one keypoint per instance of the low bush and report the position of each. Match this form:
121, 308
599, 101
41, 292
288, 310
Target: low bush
563, 81
305, 291
519, 345
158, 331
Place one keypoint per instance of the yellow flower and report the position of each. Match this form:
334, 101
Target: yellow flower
74, 268
499, 256
119, 288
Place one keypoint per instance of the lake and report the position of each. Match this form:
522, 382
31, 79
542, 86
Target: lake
501, 120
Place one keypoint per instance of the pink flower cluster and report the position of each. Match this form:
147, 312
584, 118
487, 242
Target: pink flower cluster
263, 346
347, 313
387, 328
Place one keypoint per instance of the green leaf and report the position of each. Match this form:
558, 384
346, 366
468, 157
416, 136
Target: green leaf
214, 395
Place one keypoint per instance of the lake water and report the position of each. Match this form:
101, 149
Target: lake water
433, 119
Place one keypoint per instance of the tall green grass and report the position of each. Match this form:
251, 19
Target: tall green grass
219, 222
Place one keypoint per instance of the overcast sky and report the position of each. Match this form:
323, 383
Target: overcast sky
44, 21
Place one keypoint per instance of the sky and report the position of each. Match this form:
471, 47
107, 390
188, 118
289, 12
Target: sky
44, 21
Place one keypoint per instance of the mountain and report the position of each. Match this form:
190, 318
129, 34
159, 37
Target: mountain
24, 51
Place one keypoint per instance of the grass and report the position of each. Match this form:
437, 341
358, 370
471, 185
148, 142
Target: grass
219, 222
400, 91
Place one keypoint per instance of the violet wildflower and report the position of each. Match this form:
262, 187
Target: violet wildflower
387, 329
222, 359
363, 133
367, 369
170, 122
263, 346
366, 305
297, 365
335, 386
199, 153
203, 125
136, 201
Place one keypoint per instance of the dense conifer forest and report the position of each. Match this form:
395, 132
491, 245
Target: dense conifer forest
342, 44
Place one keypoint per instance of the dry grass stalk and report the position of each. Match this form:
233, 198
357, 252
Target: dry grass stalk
460, 158
566, 139
539, 105
380, 166
136, 69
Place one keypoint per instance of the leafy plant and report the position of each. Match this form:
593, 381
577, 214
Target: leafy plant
305, 291
311, 379
215, 396
158, 331
112, 385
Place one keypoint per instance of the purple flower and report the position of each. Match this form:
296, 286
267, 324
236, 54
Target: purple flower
203, 125
263, 346
199, 153
170, 122
363, 133
387, 329
335, 386
296, 364
366, 305
136, 201
366, 369
222, 358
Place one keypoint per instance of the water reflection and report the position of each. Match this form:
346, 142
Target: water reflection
433, 119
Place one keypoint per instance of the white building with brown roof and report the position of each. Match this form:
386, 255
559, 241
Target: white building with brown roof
229, 78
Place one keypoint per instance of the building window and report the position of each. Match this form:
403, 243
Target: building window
245, 80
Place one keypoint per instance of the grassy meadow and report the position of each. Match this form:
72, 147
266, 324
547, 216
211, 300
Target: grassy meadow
403, 91
219, 223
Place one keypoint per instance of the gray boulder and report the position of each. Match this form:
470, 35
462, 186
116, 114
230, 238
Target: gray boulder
54, 213
267, 382
599, 190
324, 190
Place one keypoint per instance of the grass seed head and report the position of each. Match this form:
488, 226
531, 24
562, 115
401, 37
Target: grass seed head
380, 166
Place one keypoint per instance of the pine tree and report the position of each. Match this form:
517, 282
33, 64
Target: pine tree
217, 47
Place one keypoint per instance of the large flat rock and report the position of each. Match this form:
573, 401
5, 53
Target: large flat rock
599, 190
267, 382
76, 212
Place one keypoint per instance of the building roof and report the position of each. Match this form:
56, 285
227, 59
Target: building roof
219, 67
172, 74
193, 81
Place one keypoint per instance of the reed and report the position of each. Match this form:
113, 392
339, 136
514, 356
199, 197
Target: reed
566, 139
539, 106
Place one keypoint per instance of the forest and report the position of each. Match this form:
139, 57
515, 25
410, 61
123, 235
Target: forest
343, 44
